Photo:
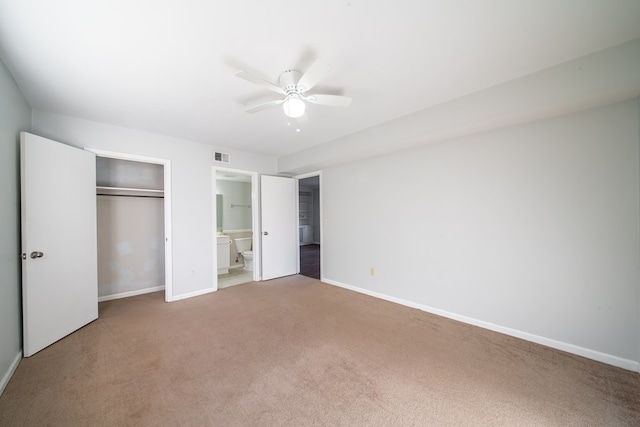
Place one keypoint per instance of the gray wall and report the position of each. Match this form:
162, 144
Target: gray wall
15, 116
129, 174
130, 244
531, 230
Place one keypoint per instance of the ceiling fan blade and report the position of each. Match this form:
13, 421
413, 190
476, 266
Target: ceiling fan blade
330, 100
313, 75
264, 106
259, 81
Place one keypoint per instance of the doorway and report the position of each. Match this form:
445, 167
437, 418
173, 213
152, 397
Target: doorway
310, 225
237, 257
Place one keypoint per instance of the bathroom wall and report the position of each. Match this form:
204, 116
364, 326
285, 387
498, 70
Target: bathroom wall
236, 193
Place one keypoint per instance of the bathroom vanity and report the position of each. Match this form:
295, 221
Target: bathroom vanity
224, 246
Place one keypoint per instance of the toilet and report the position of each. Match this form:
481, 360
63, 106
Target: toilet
243, 247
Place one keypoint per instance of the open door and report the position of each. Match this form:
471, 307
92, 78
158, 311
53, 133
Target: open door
59, 247
279, 227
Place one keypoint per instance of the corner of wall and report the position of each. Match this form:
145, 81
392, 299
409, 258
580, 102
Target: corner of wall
9, 373
638, 286
15, 117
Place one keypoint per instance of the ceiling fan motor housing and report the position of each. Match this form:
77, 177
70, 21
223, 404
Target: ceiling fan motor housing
289, 81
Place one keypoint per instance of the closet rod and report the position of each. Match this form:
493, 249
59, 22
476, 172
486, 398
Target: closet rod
130, 195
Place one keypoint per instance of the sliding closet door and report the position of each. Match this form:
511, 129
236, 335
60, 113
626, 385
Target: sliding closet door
59, 260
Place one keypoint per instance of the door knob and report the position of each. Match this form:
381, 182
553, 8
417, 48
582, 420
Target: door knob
266, 233
36, 254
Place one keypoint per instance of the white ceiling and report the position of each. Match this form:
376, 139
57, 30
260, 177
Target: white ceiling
168, 66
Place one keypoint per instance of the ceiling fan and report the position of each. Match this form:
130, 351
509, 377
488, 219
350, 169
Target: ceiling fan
294, 85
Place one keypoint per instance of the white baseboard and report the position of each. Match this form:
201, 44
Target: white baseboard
12, 368
130, 293
193, 294
609, 359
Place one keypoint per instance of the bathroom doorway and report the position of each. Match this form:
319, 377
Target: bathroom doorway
310, 225
237, 259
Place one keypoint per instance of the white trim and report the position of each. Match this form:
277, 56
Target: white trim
638, 287
214, 219
168, 236
12, 368
321, 222
308, 175
168, 233
194, 294
297, 224
130, 293
609, 359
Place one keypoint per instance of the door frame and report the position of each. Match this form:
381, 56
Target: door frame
168, 237
255, 222
322, 220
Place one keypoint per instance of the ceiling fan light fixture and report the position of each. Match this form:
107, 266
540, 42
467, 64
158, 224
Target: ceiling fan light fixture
293, 107
293, 85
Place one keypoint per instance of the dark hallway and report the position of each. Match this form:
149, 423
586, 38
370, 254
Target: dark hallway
310, 261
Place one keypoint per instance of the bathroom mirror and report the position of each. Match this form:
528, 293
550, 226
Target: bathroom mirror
219, 209
236, 209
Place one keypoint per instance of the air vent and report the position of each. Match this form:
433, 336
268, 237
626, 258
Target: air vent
222, 157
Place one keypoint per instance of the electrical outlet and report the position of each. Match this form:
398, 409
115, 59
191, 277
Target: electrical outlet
372, 271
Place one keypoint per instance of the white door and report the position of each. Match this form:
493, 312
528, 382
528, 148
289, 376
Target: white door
279, 227
59, 250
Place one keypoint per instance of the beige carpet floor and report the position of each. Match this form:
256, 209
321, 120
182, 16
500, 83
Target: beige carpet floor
297, 352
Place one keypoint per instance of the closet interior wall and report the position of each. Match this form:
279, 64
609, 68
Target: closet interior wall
130, 223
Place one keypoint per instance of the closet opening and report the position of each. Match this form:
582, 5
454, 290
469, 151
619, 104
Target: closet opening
133, 202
